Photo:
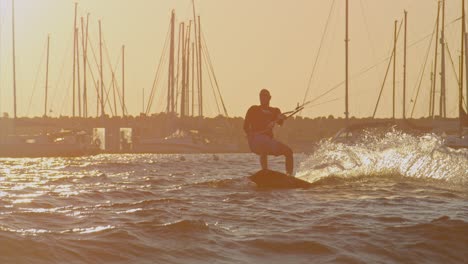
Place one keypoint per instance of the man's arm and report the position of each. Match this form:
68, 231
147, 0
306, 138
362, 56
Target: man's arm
247, 121
279, 117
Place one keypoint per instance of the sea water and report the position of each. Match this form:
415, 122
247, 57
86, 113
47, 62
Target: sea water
386, 198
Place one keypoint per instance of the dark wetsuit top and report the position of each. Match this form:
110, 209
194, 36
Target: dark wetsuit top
258, 118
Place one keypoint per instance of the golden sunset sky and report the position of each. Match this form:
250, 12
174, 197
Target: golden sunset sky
253, 44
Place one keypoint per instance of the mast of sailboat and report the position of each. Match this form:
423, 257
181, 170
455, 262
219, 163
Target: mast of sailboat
466, 54
14, 59
182, 93
461, 112
434, 85
193, 78
435, 62
78, 71
123, 81
200, 79
74, 59
187, 72
198, 56
460, 101
404, 66
101, 72
170, 79
442, 103
113, 85
47, 77
176, 88
347, 61
394, 68
84, 43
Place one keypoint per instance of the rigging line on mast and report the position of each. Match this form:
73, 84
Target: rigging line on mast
96, 87
386, 73
205, 47
211, 81
36, 79
60, 78
210, 73
367, 30
157, 74
319, 51
423, 70
365, 70
409, 46
149, 104
90, 69
160, 99
453, 64
161, 71
112, 79
66, 97
113, 70
454, 71
113, 85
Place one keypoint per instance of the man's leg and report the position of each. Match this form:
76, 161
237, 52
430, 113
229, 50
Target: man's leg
264, 161
289, 162
281, 149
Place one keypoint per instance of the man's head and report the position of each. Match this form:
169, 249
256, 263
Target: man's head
265, 97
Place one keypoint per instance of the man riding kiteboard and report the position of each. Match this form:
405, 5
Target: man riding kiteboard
258, 125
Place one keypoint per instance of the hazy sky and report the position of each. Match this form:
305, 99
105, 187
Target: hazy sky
253, 44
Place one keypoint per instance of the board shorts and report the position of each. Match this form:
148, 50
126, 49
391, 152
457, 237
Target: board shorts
266, 145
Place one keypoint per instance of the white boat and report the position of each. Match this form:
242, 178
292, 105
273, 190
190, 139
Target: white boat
180, 141
61, 144
456, 142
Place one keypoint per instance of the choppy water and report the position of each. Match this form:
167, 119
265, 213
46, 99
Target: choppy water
387, 199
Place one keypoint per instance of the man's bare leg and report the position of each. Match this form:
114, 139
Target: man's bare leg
264, 162
289, 163
288, 154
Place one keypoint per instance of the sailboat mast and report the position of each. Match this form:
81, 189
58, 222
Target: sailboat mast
347, 61
123, 81
74, 60
465, 51
14, 59
200, 79
182, 94
197, 50
101, 74
435, 63
394, 68
193, 78
47, 77
78, 71
170, 80
461, 112
442, 104
187, 72
175, 95
84, 42
404, 66
460, 101
113, 93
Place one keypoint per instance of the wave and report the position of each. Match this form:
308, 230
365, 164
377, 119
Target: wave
185, 226
389, 153
443, 240
291, 247
220, 183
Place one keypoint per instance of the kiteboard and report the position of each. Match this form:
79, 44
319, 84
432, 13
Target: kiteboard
277, 180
